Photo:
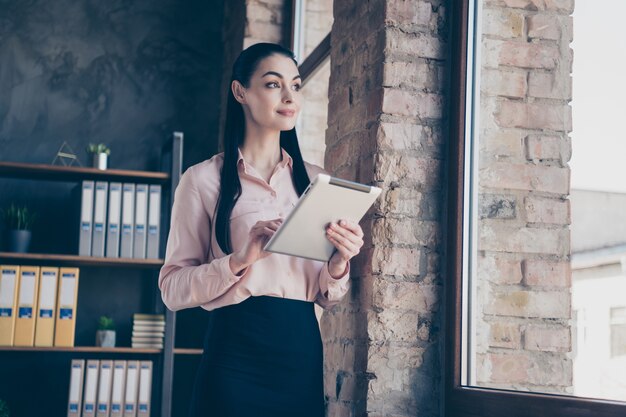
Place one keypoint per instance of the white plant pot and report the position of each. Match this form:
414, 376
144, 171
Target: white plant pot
100, 160
105, 338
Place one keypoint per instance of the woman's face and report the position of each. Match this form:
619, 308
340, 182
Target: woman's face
272, 99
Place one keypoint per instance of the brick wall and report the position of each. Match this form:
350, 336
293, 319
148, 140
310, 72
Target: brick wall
264, 22
524, 279
317, 23
385, 121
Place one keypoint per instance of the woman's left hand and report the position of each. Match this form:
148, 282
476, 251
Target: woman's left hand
347, 237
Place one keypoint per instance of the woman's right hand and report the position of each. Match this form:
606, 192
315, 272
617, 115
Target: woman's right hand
258, 236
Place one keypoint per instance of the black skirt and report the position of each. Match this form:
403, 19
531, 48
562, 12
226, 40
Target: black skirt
262, 357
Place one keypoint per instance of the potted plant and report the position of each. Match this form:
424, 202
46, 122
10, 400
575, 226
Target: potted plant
100, 154
18, 221
4, 409
105, 336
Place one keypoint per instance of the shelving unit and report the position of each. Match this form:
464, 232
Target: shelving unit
104, 283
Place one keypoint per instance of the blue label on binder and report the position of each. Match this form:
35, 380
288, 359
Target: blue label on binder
25, 312
65, 313
129, 407
143, 407
88, 407
126, 228
102, 407
68, 275
98, 227
73, 408
8, 272
115, 407
45, 314
6, 312
28, 274
152, 230
49, 274
112, 228
140, 227
85, 226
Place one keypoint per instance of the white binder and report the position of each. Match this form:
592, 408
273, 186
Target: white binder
128, 221
117, 392
145, 389
141, 219
114, 220
104, 388
154, 221
91, 388
46, 307
132, 387
76, 388
99, 219
86, 217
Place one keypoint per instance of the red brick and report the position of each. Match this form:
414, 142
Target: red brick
550, 85
503, 175
502, 236
534, 116
505, 335
503, 83
547, 339
527, 304
543, 148
505, 23
547, 210
528, 55
547, 273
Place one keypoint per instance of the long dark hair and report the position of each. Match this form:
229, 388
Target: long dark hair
234, 133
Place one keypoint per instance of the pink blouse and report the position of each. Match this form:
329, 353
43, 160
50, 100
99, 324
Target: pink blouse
197, 273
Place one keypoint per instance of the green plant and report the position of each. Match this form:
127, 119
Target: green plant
18, 218
99, 148
106, 323
4, 409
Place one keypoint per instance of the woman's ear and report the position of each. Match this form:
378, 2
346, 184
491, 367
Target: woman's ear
238, 91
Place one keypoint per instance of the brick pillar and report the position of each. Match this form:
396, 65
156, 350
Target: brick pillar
524, 277
385, 121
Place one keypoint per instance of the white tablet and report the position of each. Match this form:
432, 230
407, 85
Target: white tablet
327, 199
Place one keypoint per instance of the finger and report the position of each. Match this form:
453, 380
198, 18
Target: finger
352, 226
344, 251
347, 234
350, 246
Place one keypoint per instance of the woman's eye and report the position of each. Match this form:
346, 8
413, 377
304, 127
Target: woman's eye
297, 87
272, 83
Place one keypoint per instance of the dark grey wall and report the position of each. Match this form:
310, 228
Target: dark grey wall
124, 73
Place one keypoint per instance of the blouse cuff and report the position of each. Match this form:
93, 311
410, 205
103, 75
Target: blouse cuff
331, 288
227, 273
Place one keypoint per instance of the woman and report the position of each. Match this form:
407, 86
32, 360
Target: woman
263, 350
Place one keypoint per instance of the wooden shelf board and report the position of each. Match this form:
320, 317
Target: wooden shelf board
186, 351
63, 173
85, 349
75, 260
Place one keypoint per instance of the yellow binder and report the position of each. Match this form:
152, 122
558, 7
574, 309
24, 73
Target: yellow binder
46, 307
26, 305
66, 307
8, 302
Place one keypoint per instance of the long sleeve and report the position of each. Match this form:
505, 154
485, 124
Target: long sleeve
186, 280
332, 290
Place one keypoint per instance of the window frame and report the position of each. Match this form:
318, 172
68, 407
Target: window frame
470, 401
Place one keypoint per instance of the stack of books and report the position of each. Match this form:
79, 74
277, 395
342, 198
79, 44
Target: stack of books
148, 331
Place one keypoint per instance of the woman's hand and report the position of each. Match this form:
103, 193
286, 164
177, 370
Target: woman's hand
252, 251
347, 237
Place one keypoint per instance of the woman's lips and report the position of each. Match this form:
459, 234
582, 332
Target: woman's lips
287, 113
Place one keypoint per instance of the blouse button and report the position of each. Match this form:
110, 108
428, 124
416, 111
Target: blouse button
273, 193
281, 214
